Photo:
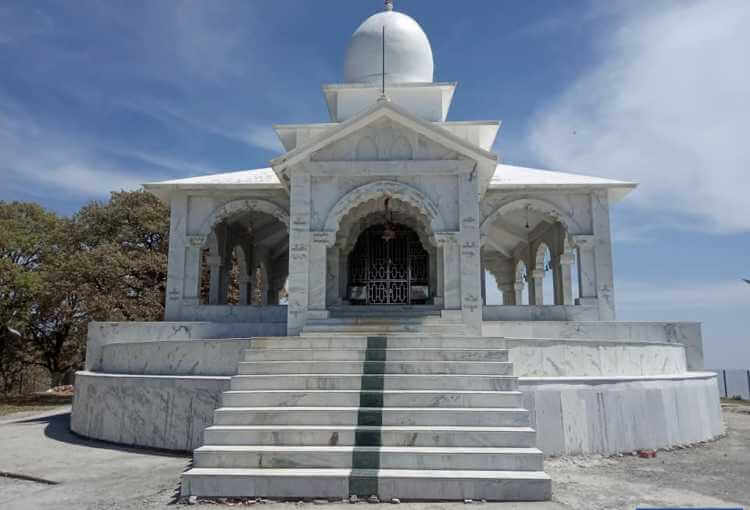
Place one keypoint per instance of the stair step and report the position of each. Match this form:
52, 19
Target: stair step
374, 382
364, 398
347, 435
395, 354
374, 457
476, 417
434, 329
362, 342
420, 484
376, 367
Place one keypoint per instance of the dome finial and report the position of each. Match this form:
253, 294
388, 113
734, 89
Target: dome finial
388, 5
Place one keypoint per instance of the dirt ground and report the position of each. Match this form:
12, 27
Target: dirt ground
95, 475
37, 402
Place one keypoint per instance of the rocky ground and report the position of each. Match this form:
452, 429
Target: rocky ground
61, 470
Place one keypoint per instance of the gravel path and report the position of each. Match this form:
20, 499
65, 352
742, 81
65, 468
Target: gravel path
96, 475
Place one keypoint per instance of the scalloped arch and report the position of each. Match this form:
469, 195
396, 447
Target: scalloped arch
350, 230
395, 189
230, 208
535, 204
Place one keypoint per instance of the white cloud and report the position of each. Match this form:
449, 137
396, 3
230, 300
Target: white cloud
666, 105
265, 138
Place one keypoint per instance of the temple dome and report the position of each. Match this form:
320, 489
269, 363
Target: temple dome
408, 55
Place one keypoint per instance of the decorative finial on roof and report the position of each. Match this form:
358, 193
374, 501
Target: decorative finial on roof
388, 5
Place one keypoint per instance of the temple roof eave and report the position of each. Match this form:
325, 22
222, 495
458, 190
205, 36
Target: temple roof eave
516, 178
254, 179
505, 178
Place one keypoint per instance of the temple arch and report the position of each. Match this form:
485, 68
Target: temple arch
235, 207
379, 189
533, 204
242, 236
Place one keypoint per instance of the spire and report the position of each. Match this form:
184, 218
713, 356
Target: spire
388, 5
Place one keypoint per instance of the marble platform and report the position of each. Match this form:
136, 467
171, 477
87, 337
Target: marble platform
157, 384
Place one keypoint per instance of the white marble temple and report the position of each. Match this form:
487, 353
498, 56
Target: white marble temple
388, 196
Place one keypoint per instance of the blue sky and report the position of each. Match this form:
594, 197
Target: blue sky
96, 96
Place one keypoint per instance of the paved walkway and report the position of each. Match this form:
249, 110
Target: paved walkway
96, 475
91, 474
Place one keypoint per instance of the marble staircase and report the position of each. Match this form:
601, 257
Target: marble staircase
407, 416
397, 320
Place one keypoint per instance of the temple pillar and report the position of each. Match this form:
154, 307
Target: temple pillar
191, 284
605, 291
178, 260
440, 276
343, 277
470, 248
586, 270
333, 275
565, 262
451, 274
299, 240
518, 293
509, 293
536, 289
318, 272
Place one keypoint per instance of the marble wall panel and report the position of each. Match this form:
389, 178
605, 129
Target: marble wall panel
234, 313
608, 416
151, 411
104, 333
568, 358
175, 357
685, 333
539, 313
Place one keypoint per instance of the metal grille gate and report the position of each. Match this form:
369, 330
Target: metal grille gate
387, 270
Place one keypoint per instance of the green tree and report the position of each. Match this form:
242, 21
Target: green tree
108, 262
123, 246
30, 238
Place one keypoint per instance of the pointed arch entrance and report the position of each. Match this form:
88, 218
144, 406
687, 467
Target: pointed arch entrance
389, 266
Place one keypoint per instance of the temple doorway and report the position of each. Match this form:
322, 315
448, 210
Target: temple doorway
389, 266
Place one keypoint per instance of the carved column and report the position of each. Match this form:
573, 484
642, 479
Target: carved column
565, 262
518, 292
509, 294
333, 275
178, 259
470, 259
605, 291
536, 289
299, 240
451, 271
318, 267
440, 275
586, 270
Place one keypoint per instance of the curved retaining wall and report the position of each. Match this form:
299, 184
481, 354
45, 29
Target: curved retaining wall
607, 415
531, 357
590, 387
572, 415
168, 412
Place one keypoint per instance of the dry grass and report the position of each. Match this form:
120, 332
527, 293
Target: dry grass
735, 401
34, 402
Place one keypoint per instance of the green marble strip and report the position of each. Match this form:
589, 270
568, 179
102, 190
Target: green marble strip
370, 414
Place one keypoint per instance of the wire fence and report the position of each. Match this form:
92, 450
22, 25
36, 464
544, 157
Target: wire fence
734, 383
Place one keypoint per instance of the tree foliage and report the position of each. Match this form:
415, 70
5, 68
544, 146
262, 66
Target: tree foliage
107, 262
